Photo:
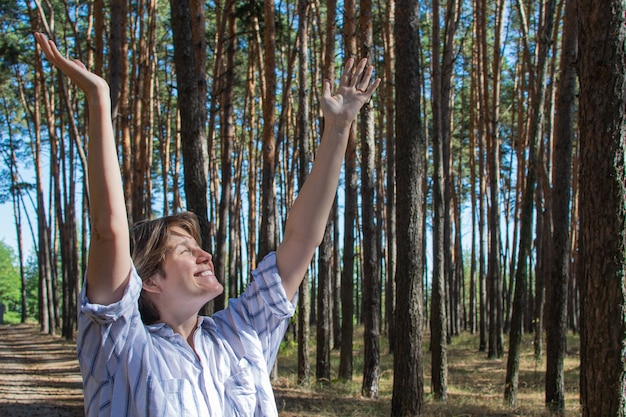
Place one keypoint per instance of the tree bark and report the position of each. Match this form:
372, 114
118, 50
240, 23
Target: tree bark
371, 275
556, 287
140, 68
387, 91
442, 73
408, 383
482, 175
120, 101
325, 270
602, 77
525, 244
193, 115
492, 106
267, 240
305, 159
322, 367
16, 197
46, 318
226, 97
349, 239
473, 300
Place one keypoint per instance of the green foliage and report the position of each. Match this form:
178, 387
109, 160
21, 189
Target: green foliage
10, 282
31, 273
9, 45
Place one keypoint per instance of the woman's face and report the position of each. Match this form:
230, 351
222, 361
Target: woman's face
187, 280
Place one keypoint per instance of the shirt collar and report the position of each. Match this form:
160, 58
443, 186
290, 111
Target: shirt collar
163, 330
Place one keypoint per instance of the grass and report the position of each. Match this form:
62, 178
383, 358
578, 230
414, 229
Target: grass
475, 383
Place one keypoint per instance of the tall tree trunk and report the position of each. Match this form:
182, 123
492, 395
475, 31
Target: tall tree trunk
219, 56
305, 156
349, 239
602, 77
556, 287
408, 383
459, 267
193, 115
494, 274
98, 37
226, 82
140, 68
442, 73
325, 270
534, 314
387, 91
371, 276
526, 238
165, 145
473, 304
336, 278
574, 283
322, 367
16, 197
252, 156
57, 161
43, 256
447, 70
329, 73
481, 129
268, 192
120, 101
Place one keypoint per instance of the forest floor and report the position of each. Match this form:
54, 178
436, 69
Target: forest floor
39, 377
39, 374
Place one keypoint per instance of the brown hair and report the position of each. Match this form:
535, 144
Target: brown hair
148, 247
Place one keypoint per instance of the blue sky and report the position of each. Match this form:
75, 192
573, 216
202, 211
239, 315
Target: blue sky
7, 230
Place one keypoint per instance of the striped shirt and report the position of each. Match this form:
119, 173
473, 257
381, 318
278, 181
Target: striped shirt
130, 369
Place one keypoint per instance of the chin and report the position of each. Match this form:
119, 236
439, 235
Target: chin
216, 291
221, 289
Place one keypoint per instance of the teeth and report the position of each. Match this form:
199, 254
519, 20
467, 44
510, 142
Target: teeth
205, 273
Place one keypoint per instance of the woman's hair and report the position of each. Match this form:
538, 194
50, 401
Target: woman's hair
148, 242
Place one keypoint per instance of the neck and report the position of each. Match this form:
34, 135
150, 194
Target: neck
184, 327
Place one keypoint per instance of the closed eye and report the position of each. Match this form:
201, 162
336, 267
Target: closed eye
182, 250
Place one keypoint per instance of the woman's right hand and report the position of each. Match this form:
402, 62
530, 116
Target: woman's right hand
92, 85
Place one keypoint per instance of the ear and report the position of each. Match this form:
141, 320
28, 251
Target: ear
152, 284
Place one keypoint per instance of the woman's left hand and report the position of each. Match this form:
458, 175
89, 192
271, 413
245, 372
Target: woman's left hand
355, 89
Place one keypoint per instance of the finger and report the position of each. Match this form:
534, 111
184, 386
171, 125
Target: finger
53, 54
54, 51
42, 40
49, 49
372, 87
365, 78
347, 71
47, 46
326, 89
358, 73
38, 37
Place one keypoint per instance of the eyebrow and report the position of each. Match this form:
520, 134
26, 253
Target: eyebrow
183, 240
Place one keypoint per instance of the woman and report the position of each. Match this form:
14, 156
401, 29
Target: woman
175, 362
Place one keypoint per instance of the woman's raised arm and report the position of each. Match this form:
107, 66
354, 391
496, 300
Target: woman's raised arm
307, 219
109, 248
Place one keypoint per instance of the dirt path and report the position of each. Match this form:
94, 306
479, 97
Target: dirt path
39, 374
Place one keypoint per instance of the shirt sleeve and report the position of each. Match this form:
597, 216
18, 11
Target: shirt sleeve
103, 330
259, 317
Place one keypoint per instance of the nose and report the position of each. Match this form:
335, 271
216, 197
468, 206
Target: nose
204, 257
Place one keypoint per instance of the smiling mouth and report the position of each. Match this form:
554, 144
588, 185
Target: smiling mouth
206, 273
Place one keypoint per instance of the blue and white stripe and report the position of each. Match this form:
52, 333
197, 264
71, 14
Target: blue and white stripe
130, 369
